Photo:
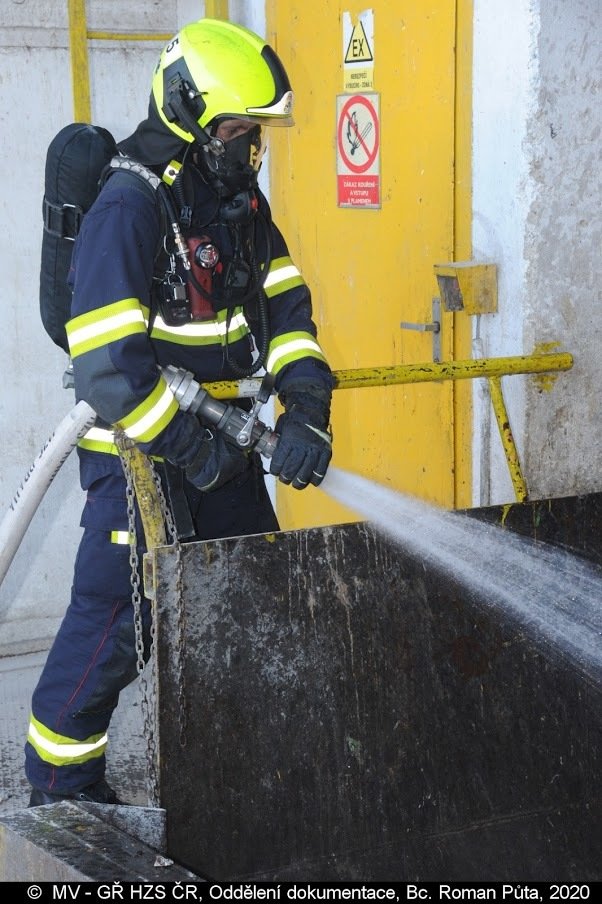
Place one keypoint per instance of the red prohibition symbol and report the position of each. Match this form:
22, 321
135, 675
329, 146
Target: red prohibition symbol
354, 134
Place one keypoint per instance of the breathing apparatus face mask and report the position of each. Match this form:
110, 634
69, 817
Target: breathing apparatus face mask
233, 167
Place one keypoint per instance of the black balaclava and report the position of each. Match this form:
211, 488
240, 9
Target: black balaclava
152, 143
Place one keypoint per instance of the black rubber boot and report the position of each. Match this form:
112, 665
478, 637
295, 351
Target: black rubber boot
99, 793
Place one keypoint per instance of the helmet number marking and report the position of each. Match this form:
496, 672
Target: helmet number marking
172, 44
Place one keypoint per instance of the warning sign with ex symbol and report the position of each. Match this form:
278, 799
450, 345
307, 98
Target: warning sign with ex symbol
358, 150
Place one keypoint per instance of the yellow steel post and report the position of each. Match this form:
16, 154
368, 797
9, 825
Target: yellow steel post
462, 247
216, 9
80, 74
79, 35
510, 450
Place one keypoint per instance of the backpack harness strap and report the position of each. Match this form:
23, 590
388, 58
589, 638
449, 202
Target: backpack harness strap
62, 220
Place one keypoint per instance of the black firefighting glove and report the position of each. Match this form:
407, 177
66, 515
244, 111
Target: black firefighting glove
215, 462
304, 446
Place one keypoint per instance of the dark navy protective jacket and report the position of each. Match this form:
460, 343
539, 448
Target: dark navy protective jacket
115, 354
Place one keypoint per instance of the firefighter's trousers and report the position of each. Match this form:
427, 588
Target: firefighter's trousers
94, 653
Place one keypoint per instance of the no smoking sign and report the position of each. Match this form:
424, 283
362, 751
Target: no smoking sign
358, 150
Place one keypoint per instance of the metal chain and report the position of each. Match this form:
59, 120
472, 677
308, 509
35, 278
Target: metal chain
148, 694
149, 688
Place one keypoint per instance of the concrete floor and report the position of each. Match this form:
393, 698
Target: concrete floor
126, 753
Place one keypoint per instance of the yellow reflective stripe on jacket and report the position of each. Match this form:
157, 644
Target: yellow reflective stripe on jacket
59, 750
99, 440
291, 347
204, 332
108, 324
149, 418
283, 275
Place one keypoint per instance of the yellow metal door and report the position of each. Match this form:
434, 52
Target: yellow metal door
370, 269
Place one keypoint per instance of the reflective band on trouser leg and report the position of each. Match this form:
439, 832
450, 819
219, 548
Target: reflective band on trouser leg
93, 655
60, 750
122, 537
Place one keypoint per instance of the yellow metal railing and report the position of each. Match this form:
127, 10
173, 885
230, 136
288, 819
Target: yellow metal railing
493, 369
79, 35
508, 444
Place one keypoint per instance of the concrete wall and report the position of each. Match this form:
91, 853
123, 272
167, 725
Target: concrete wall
536, 201
536, 213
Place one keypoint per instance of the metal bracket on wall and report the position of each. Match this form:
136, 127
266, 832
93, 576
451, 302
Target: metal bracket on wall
433, 327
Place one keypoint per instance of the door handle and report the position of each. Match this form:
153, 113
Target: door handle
433, 327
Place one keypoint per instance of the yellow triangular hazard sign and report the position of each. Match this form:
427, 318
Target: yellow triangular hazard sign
358, 50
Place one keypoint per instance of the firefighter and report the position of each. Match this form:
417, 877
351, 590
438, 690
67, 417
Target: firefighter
241, 306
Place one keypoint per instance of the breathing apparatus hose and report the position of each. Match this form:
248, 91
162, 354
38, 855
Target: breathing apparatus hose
263, 316
39, 477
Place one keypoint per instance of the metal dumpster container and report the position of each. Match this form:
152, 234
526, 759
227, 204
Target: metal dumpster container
332, 708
